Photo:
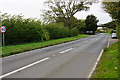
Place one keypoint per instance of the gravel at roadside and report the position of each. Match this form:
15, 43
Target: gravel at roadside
112, 41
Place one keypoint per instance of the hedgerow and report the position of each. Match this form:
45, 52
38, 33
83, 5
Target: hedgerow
20, 30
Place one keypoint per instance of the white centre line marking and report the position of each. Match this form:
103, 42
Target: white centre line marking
66, 50
54, 55
23, 67
86, 42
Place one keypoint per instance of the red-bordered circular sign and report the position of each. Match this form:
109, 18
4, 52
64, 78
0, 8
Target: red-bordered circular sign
3, 29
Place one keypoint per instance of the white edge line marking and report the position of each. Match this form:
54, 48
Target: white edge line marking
108, 42
89, 76
19, 54
66, 50
23, 68
16, 54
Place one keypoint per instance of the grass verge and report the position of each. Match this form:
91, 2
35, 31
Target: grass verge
108, 65
15, 49
106, 33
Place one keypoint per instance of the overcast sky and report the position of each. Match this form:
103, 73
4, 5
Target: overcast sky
32, 8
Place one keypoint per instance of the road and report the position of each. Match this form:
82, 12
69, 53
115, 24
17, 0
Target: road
67, 60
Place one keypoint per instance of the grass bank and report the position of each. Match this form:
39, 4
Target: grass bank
15, 49
108, 65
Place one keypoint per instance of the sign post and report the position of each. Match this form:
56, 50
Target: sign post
3, 29
3, 39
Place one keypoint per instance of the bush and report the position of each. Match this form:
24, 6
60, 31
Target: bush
74, 31
57, 30
20, 30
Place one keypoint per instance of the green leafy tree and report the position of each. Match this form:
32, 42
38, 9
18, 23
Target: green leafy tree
63, 11
91, 23
111, 24
113, 8
80, 24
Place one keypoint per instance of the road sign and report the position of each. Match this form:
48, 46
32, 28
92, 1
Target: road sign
3, 29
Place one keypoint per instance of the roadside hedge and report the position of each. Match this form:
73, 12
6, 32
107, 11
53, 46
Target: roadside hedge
20, 30
57, 31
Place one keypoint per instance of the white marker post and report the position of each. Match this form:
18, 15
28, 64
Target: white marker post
3, 29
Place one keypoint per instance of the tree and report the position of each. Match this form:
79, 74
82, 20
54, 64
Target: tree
91, 23
80, 24
111, 24
113, 8
63, 11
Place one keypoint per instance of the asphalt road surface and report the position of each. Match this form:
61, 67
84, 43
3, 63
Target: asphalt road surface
67, 60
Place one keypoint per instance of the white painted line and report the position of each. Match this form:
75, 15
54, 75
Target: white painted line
66, 50
97, 39
86, 42
20, 53
54, 55
20, 69
98, 59
82, 44
16, 54
108, 42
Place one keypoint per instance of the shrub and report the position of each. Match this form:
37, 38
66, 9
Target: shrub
20, 30
57, 31
74, 31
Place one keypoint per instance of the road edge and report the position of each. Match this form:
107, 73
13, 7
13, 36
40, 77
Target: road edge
108, 42
95, 65
37, 49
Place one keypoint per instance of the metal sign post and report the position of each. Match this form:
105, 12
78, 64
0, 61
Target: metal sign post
3, 29
3, 40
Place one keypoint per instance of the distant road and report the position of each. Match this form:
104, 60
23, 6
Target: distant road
67, 60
